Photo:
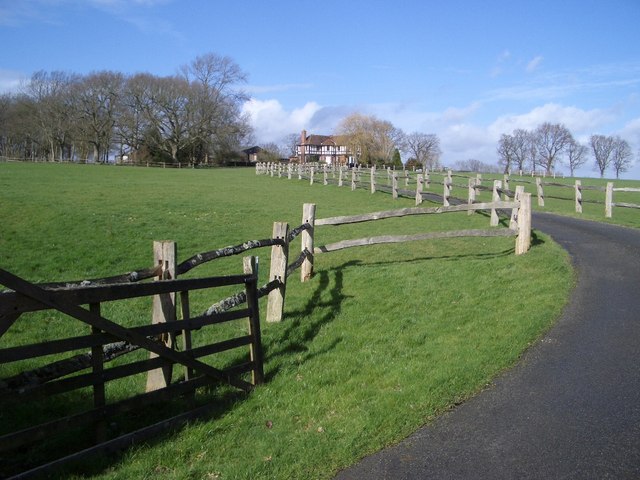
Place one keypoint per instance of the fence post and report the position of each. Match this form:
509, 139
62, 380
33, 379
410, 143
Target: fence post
278, 271
513, 222
340, 176
373, 179
299, 171
450, 182
578, 196
406, 178
394, 185
312, 172
608, 200
471, 194
427, 179
289, 169
308, 216
523, 240
325, 180
420, 179
540, 192
495, 220
164, 310
353, 179
250, 265
446, 191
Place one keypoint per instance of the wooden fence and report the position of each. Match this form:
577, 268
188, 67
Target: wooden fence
418, 185
107, 340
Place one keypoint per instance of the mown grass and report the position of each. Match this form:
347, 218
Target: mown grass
380, 341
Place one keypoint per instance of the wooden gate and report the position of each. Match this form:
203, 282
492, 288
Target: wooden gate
28, 297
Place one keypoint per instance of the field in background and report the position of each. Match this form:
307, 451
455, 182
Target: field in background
381, 340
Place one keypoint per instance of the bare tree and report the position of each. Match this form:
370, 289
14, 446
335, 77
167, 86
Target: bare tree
506, 153
602, 147
51, 112
289, 144
97, 98
576, 156
551, 141
424, 147
621, 156
521, 148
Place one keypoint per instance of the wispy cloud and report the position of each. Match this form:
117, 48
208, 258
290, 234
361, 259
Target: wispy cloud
283, 87
533, 64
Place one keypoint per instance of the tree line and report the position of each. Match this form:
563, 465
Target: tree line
551, 145
192, 116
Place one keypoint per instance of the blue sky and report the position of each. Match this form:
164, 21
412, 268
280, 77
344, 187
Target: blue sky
465, 70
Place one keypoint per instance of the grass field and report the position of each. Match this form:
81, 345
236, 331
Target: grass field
379, 342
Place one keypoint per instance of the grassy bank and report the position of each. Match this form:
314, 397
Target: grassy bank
380, 341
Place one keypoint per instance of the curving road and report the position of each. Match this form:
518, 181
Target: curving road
571, 408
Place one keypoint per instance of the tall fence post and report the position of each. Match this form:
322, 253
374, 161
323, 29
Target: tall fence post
471, 194
278, 271
427, 179
578, 196
495, 220
373, 179
540, 192
325, 180
353, 179
250, 266
308, 216
419, 184
523, 240
289, 169
608, 201
513, 222
341, 170
299, 171
446, 191
394, 185
311, 173
163, 310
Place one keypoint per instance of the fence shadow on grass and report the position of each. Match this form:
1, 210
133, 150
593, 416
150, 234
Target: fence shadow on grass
303, 326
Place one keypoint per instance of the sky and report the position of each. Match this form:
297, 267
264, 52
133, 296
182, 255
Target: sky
467, 71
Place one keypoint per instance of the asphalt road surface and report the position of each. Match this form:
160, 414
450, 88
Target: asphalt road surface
570, 409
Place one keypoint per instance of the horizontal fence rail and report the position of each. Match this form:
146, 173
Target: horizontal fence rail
418, 185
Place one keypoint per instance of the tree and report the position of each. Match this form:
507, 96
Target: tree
576, 156
397, 160
289, 144
270, 152
371, 140
425, 148
602, 147
621, 156
521, 148
506, 153
551, 141
97, 101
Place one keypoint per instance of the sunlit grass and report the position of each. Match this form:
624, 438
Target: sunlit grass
377, 343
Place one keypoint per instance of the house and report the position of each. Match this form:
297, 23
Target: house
251, 154
328, 149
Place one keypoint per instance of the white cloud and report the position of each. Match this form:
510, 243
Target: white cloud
575, 119
533, 65
271, 122
10, 81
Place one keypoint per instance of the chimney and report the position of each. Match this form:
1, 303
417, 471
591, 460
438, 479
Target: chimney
303, 137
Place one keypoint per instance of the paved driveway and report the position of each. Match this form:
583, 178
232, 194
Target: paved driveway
571, 408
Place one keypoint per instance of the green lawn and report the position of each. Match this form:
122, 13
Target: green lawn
379, 342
